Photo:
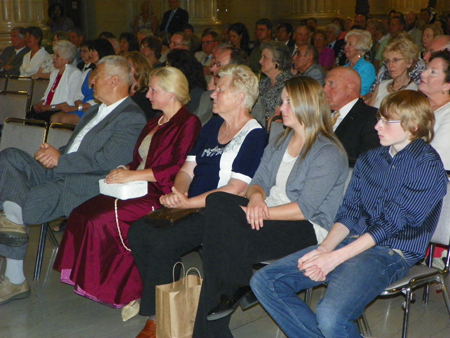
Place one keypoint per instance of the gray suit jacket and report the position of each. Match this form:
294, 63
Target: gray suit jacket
9, 57
107, 145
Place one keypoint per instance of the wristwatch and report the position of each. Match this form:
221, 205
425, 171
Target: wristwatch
53, 107
80, 107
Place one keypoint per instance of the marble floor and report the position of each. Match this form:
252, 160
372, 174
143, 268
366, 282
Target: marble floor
53, 310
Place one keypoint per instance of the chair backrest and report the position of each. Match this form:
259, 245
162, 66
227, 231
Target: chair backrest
13, 104
3, 81
59, 134
39, 87
23, 134
442, 233
20, 84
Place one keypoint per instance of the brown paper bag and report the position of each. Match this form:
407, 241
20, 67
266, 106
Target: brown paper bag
176, 306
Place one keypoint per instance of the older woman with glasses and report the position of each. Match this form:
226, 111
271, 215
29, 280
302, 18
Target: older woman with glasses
400, 56
435, 84
275, 64
326, 55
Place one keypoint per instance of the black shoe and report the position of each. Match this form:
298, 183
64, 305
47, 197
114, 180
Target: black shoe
228, 303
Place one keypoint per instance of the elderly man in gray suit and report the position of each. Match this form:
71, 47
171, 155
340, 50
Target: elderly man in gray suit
50, 185
12, 56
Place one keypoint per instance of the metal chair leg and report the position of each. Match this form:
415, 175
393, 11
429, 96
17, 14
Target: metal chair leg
363, 326
45, 231
406, 315
40, 250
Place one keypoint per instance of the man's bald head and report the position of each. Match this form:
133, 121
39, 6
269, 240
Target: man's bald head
342, 85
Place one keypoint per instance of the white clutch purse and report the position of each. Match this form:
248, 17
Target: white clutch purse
124, 191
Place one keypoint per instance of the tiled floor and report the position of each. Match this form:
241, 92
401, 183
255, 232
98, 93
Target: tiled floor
53, 310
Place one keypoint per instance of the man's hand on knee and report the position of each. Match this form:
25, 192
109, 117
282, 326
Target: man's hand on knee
47, 156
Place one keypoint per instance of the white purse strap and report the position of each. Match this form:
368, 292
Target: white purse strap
118, 227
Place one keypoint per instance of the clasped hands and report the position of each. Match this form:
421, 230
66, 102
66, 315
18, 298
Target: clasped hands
175, 199
318, 263
47, 156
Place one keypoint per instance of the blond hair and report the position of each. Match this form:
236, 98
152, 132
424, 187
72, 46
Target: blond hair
243, 80
172, 80
414, 111
309, 104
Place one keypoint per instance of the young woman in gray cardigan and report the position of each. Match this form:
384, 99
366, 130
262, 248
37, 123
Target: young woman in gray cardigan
289, 205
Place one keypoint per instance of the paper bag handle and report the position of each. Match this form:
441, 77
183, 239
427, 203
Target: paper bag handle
173, 270
194, 269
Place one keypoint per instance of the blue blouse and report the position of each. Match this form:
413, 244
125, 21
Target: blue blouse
367, 73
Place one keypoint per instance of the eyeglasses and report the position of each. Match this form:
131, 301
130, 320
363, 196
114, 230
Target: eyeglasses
207, 42
220, 65
393, 61
144, 46
385, 121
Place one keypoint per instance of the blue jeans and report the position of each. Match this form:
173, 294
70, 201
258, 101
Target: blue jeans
351, 287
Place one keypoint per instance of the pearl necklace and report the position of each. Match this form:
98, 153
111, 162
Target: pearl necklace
159, 121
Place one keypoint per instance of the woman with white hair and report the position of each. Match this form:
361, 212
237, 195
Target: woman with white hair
358, 43
225, 159
64, 81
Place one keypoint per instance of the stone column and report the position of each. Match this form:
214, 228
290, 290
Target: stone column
202, 14
16, 13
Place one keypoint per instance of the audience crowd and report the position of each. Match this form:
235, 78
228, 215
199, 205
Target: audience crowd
372, 90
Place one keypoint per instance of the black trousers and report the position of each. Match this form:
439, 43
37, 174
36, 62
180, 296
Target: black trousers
230, 247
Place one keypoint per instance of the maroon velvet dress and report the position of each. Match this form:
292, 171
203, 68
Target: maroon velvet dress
91, 256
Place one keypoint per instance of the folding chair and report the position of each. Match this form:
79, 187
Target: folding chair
39, 87
20, 84
422, 275
13, 104
59, 134
23, 134
3, 81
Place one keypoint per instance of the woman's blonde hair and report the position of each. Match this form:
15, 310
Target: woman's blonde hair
172, 80
243, 80
142, 68
406, 48
414, 111
363, 42
309, 104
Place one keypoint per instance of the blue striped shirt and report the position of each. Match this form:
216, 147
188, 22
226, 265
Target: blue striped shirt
397, 200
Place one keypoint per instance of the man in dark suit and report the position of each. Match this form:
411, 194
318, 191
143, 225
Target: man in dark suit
50, 185
174, 19
11, 57
354, 120
332, 34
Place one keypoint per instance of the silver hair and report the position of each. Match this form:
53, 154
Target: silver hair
66, 49
119, 66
